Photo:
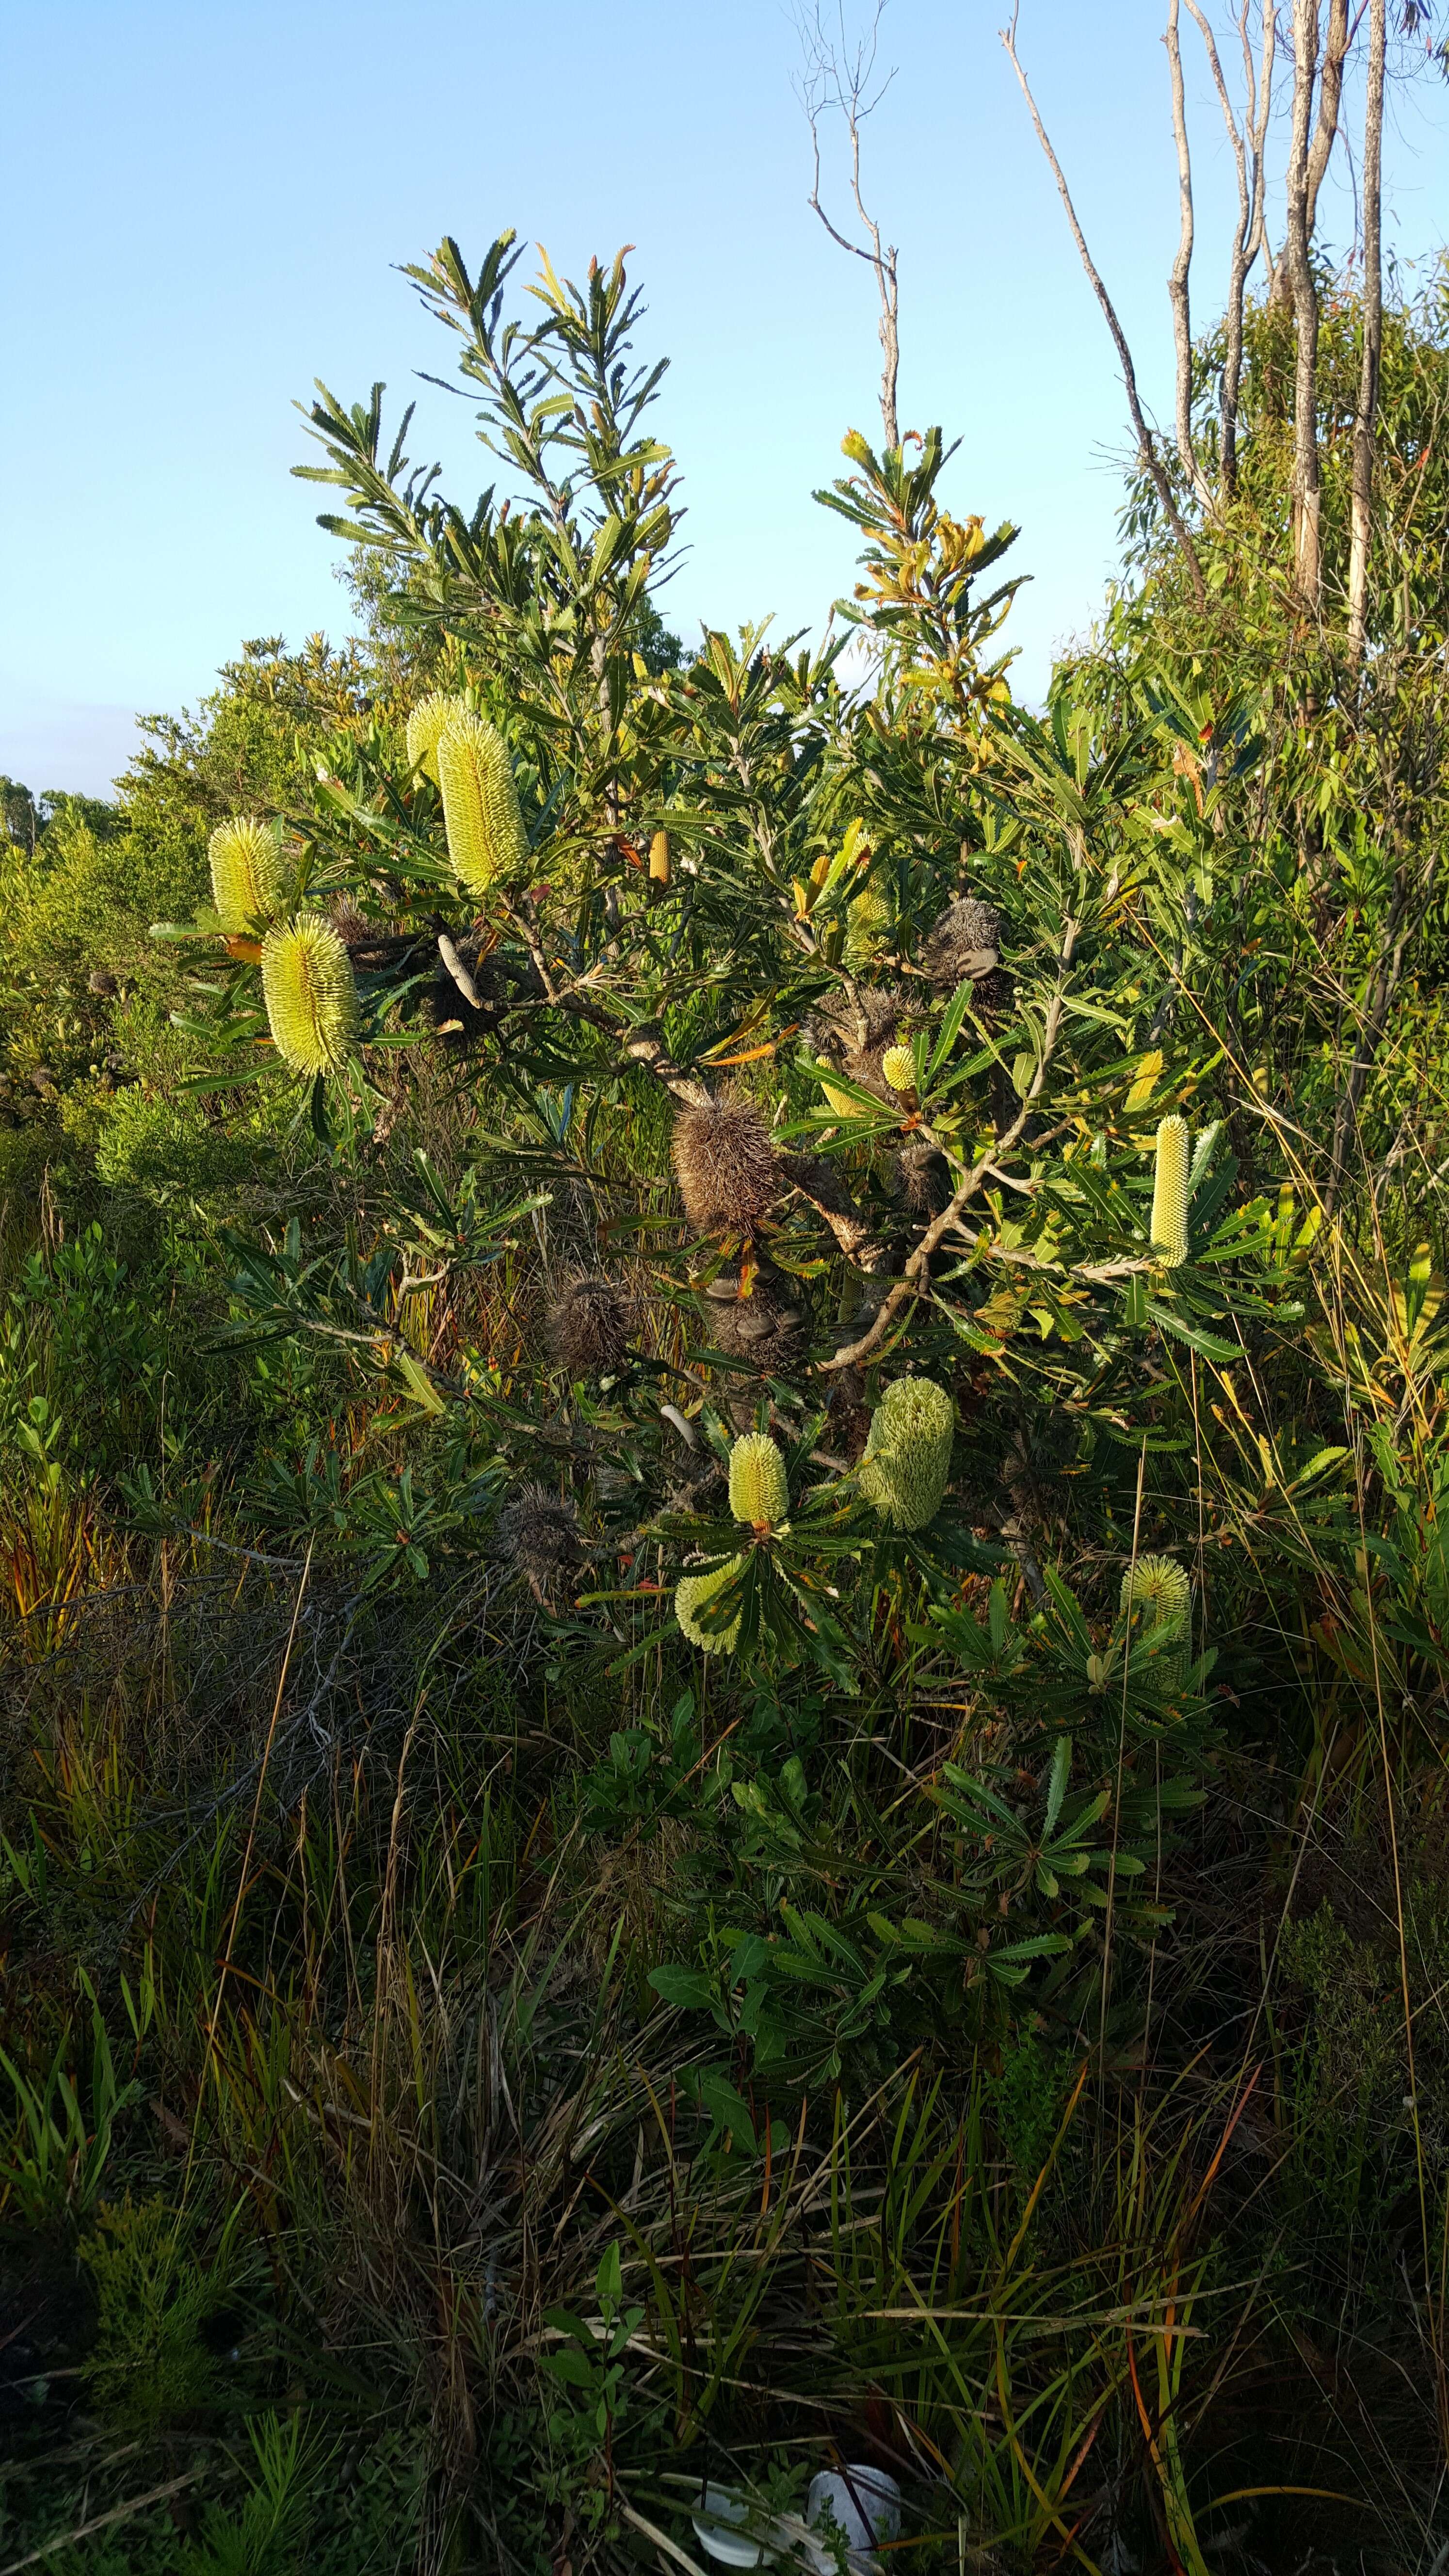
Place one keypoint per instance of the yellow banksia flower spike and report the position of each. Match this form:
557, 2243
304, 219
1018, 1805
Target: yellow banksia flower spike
898, 1064
759, 1488
310, 994
246, 873
431, 717
1159, 1588
1169, 1193
486, 838
659, 859
907, 1462
693, 1593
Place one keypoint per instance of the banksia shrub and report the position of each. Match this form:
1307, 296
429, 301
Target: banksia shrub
725, 1163
486, 839
759, 1488
247, 885
1158, 1587
429, 719
310, 994
898, 1065
539, 1537
588, 1326
693, 1593
907, 1462
1169, 1194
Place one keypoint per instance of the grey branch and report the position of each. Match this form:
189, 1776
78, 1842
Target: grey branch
1146, 443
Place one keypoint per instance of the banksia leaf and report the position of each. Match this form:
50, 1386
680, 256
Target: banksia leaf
728, 1175
589, 1326
1169, 1194
693, 1593
899, 1067
246, 873
430, 718
907, 1462
840, 1101
759, 1489
486, 838
1159, 1588
311, 998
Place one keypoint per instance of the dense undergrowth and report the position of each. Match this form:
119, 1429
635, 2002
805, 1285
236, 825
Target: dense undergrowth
480, 2056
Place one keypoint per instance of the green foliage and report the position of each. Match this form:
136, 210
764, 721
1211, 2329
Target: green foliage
730, 1555
148, 2364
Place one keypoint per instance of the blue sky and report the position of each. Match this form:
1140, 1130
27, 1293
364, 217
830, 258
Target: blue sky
205, 203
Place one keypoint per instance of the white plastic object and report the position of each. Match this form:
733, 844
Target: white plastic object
864, 2503
721, 2527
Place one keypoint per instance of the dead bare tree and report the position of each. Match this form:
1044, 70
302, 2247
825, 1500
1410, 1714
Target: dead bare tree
1373, 325
1250, 237
839, 79
1178, 282
1147, 448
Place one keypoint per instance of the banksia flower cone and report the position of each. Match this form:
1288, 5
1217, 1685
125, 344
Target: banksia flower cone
899, 1067
725, 1162
539, 1536
1158, 1587
430, 717
480, 803
589, 1326
246, 873
1169, 1194
311, 998
659, 859
759, 1489
907, 1462
693, 1593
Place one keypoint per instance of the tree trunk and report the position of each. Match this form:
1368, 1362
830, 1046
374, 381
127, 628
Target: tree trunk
1373, 324
1307, 558
1177, 284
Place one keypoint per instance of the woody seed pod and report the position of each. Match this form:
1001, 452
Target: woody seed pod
589, 1326
539, 1536
246, 873
1169, 1194
1159, 1588
430, 718
898, 1065
486, 839
311, 998
907, 1462
728, 1175
691, 1595
759, 1488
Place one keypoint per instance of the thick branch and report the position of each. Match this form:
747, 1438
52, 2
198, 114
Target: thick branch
1373, 324
1330, 99
1146, 444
